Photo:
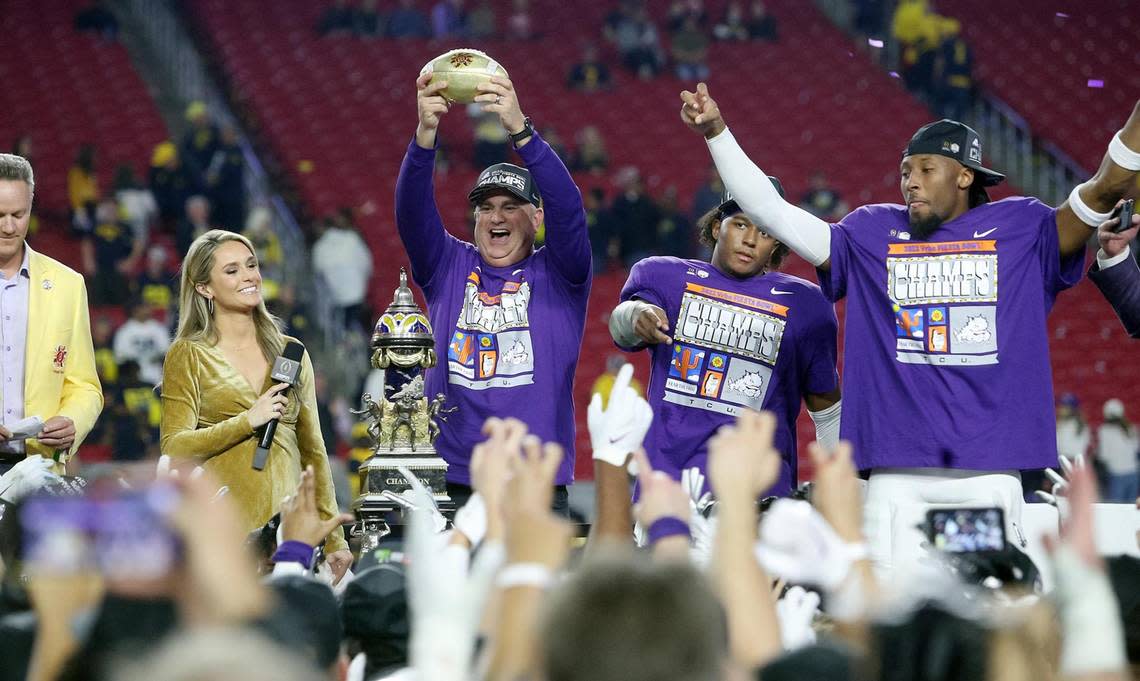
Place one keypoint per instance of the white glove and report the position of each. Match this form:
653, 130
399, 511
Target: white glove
796, 612
416, 496
471, 520
1060, 495
27, 476
701, 528
798, 545
619, 430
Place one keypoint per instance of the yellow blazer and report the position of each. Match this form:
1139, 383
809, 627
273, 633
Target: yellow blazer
204, 405
59, 358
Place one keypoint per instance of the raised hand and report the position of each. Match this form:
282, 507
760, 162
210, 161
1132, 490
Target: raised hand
1114, 243
620, 428
430, 107
835, 492
498, 96
700, 112
742, 461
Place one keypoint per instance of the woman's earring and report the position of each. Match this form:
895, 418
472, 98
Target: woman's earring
210, 306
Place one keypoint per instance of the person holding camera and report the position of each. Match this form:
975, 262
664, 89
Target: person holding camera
1115, 271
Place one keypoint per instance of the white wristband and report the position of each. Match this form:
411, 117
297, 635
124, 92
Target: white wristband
534, 575
1121, 155
1085, 214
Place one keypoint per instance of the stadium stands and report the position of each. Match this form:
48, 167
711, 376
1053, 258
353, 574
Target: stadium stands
1046, 61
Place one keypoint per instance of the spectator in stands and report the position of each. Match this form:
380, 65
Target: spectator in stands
673, 233
109, 253
259, 231
690, 49
1117, 449
682, 10
292, 314
83, 190
481, 21
954, 82
23, 147
761, 24
491, 141
225, 182
47, 306
142, 339
520, 26
732, 25
709, 195
200, 142
590, 74
170, 184
99, 19
406, 21
591, 154
137, 414
448, 20
603, 241
196, 221
917, 30
155, 286
635, 217
367, 22
632, 32
550, 134
338, 18
821, 200
102, 335
344, 260
1073, 434
137, 205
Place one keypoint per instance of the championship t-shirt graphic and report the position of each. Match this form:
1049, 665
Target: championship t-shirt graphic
491, 345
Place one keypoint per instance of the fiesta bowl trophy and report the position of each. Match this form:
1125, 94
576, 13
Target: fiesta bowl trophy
402, 422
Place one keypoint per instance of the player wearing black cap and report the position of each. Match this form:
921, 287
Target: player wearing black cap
947, 298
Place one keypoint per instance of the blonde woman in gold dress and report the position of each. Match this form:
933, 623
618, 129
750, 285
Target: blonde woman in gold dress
216, 389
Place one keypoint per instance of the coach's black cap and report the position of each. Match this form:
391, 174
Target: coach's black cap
953, 140
729, 206
507, 177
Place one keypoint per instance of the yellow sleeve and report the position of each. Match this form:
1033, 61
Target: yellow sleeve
179, 434
312, 450
81, 398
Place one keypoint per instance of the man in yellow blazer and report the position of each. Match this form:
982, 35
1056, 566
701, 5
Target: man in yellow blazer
47, 361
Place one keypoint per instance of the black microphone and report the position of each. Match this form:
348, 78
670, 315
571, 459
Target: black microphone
285, 370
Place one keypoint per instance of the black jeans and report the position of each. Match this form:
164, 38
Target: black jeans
460, 493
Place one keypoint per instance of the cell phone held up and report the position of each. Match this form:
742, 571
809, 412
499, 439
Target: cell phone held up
1124, 212
966, 530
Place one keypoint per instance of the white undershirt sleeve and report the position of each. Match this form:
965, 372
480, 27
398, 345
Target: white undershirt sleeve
798, 229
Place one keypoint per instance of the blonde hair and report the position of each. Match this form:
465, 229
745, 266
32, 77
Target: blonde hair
194, 319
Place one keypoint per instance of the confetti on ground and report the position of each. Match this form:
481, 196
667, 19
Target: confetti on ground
894, 74
1062, 15
874, 42
1093, 82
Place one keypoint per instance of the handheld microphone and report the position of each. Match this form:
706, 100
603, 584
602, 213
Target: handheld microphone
285, 370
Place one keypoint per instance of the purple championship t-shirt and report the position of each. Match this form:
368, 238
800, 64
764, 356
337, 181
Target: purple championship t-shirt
758, 343
507, 338
946, 349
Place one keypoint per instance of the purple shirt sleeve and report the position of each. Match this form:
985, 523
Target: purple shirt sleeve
566, 232
1120, 285
427, 243
1059, 272
833, 280
818, 371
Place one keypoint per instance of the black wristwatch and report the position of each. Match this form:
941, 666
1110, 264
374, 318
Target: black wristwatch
527, 131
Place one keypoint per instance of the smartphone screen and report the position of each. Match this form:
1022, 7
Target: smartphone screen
131, 537
56, 534
966, 530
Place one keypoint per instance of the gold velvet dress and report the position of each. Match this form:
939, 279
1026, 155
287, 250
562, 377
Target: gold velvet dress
204, 405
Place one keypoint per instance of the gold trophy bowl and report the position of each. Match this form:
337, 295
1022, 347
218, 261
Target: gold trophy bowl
463, 69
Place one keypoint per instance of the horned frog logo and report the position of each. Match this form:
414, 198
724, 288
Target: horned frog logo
751, 384
976, 330
461, 59
516, 355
